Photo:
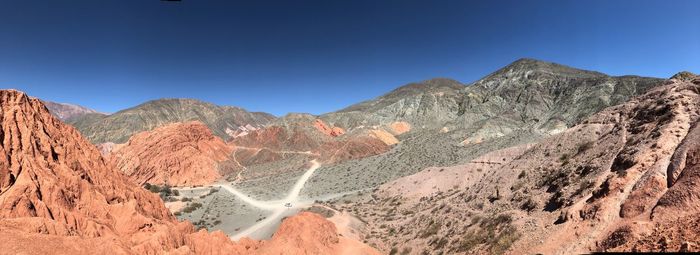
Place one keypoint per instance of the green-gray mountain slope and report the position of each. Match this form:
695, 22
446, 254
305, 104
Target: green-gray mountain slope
119, 126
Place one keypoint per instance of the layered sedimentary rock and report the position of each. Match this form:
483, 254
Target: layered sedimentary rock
304, 135
54, 185
178, 154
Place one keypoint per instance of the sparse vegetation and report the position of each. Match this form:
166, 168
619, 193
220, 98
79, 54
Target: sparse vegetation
529, 205
431, 230
165, 192
495, 233
394, 251
191, 207
584, 147
564, 159
522, 174
327, 213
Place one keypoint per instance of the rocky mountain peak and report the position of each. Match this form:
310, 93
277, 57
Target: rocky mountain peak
431, 85
526, 68
684, 76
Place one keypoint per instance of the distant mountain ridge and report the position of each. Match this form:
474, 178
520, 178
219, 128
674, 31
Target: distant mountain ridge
118, 127
526, 90
66, 111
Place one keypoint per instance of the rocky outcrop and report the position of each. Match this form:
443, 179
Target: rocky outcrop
328, 130
118, 127
178, 154
55, 185
292, 238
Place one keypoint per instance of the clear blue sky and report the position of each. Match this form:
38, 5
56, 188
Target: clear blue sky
320, 56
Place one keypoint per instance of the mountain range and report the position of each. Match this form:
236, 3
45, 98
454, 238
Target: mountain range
532, 150
118, 127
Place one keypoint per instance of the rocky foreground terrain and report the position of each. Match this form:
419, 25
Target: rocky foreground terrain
59, 196
622, 180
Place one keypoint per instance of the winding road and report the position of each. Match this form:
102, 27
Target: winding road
280, 208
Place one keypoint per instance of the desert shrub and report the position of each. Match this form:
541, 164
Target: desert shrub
321, 211
504, 240
522, 174
431, 230
555, 202
495, 233
191, 207
584, 185
394, 251
529, 205
617, 238
584, 147
152, 188
564, 157
166, 190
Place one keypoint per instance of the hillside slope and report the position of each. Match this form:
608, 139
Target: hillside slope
524, 102
621, 180
525, 92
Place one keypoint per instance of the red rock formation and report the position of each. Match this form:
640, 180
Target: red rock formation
352, 148
292, 238
313, 136
328, 130
179, 154
399, 127
55, 185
